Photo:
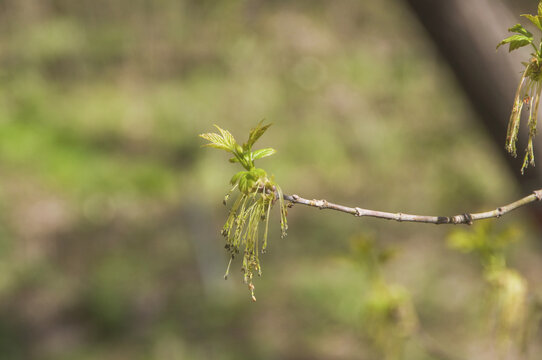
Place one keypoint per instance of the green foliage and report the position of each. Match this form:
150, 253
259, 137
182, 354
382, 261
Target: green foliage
256, 133
257, 195
259, 154
483, 241
390, 315
388, 312
507, 289
523, 38
224, 141
535, 19
529, 88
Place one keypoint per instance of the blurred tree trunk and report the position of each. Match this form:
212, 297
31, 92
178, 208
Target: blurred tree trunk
466, 33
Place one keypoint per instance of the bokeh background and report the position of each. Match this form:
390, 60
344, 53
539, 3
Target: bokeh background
110, 210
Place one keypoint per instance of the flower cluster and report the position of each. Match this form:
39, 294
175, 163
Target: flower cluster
257, 195
529, 89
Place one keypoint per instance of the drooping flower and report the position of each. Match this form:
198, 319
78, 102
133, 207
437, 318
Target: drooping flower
527, 95
529, 88
257, 195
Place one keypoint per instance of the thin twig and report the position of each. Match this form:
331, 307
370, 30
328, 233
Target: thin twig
466, 218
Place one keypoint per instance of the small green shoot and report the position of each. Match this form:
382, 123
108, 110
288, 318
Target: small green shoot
257, 195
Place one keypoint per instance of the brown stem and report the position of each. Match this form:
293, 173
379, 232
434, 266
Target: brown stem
466, 218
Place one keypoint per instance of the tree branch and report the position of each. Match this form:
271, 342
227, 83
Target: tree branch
466, 218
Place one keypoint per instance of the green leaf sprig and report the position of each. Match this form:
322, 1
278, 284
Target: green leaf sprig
257, 195
529, 88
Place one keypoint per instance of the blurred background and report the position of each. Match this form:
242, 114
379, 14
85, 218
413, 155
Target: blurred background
110, 210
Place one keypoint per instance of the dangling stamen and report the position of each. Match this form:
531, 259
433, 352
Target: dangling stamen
515, 117
228, 269
533, 117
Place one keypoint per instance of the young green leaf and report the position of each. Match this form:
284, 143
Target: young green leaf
258, 173
228, 137
255, 133
259, 154
224, 141
216, 141
243, 183
535, 19
516, 41
518, 28
236, 177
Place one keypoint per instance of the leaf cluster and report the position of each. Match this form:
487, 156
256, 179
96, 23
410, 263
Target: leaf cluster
522, 37
257, 195
244, 155
241, 154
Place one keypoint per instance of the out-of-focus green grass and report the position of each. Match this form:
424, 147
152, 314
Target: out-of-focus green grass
110, 210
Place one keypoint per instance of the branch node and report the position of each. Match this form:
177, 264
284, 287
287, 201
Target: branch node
400, 217
295, 197
499, 212
359, 212
538, 194
321, 204
462, 219
467, 218
443, 220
